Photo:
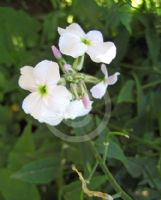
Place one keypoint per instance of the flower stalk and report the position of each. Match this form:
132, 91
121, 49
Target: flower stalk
108, 174
91, 79
78, 63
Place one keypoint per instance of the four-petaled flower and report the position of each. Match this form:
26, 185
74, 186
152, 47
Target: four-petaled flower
75, 42
47, 100
99, 90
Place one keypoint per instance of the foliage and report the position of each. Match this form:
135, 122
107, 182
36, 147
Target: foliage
34, 164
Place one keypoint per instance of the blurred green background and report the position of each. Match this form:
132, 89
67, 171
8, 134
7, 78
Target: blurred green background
34, 164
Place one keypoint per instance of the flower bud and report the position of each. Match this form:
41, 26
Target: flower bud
86, 101
56, 52
67, 67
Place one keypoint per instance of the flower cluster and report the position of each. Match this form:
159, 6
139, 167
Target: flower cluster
53, 97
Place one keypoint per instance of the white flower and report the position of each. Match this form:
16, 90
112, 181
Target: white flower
77, 109
99, 90
75, 42
47, 100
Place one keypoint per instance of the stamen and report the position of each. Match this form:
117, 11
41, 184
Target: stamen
42, 90
85, 41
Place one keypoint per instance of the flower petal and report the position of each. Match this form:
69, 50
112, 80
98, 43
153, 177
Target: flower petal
46, 72
102, 52
77, 109
34, 105
113, 78
52, 119
104, 70
73, 28
99, 90
61, 30
26, 80
71, 45
94, 36
59, 98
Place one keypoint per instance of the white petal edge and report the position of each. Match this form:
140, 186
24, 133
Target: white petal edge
113, 78
71, 45
74, 29
53, 119
102, 52
33, 105
61, 30
77, 109
95, 36
46, 72
26, 80
36, 107
99, 90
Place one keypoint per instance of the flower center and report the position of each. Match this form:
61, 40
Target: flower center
86, 41
43, 90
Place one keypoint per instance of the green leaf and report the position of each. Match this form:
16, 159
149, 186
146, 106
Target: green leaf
23, 151
135, 166
122, 40
157, 109
125, 16
7, 115
39, 172
115, 151
140, 95
126, 93
1, 196
2, 80
120, 15
13, 189
154, 44
79, 7
51, 22
72, 190
18, 31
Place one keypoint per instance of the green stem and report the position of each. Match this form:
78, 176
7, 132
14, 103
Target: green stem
78, 63
92, 172
61, 63
108, 174
96, 164
82, 195
60, 180
105, 152
152, 84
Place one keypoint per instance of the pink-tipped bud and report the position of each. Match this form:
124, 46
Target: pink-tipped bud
86, 101
56, 52
67, 67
